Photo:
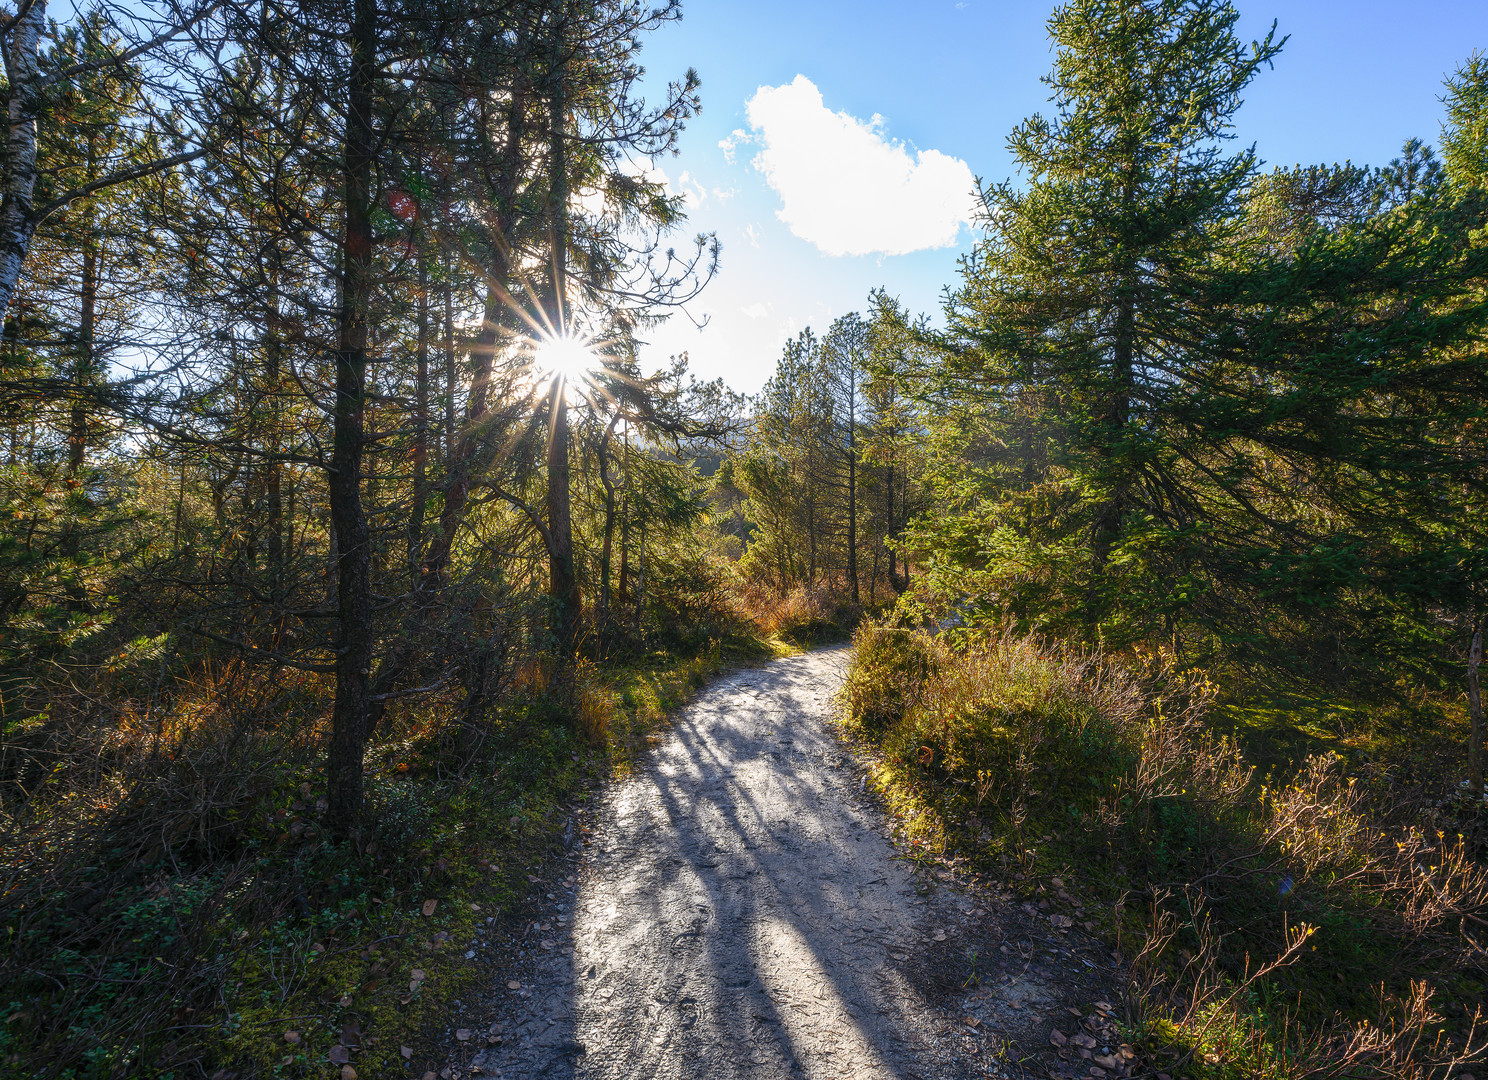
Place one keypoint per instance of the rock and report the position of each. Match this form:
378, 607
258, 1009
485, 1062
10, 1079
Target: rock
463, 1034
512, 984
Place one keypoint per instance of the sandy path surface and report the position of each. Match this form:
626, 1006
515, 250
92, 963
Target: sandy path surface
740, 912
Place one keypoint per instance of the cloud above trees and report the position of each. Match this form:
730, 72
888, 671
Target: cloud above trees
844, 184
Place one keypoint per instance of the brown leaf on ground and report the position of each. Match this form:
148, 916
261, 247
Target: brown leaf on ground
292, 1037
1057, 1038
339, 1055
429, 906
406, 1051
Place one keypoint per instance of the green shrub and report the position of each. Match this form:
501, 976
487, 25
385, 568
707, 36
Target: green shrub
890, 667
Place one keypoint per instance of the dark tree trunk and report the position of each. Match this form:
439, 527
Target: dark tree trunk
77, 433
563, 581
420, 427
353, 558
1475, 714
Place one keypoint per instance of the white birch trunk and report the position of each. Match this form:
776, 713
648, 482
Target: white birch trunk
18, 182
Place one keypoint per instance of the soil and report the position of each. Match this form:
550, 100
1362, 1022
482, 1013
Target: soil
737, 908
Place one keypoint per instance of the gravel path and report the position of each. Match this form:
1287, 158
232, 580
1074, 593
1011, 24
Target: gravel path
740, 912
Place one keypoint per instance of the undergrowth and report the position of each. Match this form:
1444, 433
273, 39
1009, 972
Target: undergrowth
1323, 920
171, 908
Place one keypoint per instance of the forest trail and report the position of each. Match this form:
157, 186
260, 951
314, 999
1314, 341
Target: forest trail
740, 912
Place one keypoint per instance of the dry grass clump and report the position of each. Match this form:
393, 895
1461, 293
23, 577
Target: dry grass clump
1307, 928
803, 616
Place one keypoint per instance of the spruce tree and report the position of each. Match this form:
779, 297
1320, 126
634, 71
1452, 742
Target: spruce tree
1077, 314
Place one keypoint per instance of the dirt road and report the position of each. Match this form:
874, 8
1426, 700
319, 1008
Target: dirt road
740, 912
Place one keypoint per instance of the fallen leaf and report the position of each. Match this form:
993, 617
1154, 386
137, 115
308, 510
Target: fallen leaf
406, 1051
1061, 922
545, 943
1057, 1038
463, 1034
512, 984
1076, 1013
417, 975
429, 906
972, 1021
1103, 1006
348, 1073
429, 1075
940, 935
339, 1055
1056, 882
475, 907
292, 1037
1105, 1061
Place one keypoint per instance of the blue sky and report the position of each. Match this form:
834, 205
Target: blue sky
862, 123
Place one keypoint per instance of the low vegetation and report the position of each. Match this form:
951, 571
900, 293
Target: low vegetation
175, 907
1325, 917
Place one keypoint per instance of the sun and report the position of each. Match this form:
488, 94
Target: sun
570, 357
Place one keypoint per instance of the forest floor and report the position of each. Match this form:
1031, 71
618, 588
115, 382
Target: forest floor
736, 907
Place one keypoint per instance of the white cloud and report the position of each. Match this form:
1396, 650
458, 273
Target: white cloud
844, 185
731, 144
757, 310
752, 235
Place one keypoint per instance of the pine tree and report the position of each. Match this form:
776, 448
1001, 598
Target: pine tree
1078, 312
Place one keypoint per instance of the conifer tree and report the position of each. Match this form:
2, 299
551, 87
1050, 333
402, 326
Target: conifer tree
1081, 300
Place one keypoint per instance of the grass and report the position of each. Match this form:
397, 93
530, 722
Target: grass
1314, 914
172, 909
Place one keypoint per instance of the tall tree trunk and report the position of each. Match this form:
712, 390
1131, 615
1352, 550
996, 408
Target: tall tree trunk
461, 463
606, 555
563, 581
852, 508
354, 562
451, 376
18, 179
83, 369
273, 467
420, 425
1475, 713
